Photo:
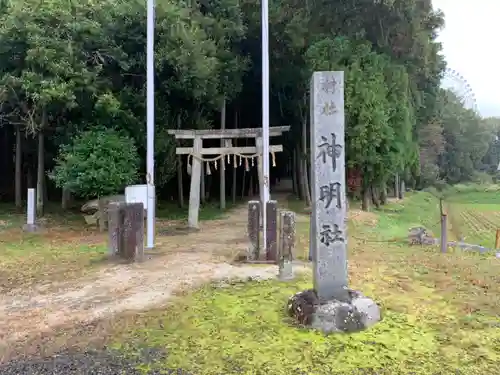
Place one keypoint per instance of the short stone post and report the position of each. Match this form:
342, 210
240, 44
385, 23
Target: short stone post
444, 234
133, 231
286, 245
115, 225
272, 230
30, 225
253, 229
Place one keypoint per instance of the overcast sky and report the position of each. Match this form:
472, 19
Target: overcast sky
470, 47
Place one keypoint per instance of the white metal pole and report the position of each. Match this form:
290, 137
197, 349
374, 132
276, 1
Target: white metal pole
265, 112
150, 162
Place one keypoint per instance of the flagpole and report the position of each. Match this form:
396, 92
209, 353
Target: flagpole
150, 104
265, 114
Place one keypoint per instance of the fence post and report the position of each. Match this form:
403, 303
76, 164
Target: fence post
444, 234
497, 239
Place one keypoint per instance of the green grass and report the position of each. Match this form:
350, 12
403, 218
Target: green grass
418, 209
440, 315
27, 259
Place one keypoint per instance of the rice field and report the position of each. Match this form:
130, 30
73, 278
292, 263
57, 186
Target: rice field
474, 217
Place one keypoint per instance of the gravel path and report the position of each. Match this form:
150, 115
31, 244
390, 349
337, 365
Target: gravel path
193, 260
87, 363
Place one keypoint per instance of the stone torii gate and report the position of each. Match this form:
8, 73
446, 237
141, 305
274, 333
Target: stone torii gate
197, 153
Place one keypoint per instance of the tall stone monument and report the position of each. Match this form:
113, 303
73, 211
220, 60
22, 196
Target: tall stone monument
330, 306
328, 241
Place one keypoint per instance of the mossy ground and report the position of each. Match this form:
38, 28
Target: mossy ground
440, 314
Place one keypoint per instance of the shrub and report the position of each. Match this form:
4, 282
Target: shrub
481, 178
97, 163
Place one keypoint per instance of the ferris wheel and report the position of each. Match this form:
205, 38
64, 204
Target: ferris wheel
456, 83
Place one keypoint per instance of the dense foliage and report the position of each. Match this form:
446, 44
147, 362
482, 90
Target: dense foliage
97, 162
68, 65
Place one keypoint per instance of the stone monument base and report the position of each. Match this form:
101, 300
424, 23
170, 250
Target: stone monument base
31, 228
354, 314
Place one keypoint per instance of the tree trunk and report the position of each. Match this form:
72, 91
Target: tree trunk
375, 197
40, 179
365, 201
396, 186
29, 178
244, 184
18, 171
383, 194
305, 176
307, 171
45, 189
402, 189
301, 180
208, 186
256, 183
293, 174
251, 191
66, 198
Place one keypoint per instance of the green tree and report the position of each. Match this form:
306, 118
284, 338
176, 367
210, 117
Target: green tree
98, 162
467, 139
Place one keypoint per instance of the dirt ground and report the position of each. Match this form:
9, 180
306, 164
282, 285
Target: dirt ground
180, 260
